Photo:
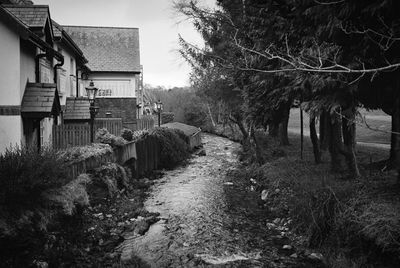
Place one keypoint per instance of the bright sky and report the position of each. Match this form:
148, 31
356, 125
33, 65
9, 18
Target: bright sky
158, 24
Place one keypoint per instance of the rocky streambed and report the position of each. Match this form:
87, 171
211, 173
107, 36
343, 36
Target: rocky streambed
210, 217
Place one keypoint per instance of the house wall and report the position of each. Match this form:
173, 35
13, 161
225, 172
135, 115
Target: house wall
9, 67
66, 74
10, 120
115, 85
10, 131
27, 66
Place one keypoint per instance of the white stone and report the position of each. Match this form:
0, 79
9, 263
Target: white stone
264, 195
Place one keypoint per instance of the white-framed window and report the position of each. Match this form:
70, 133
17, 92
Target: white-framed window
45, 73
115, 87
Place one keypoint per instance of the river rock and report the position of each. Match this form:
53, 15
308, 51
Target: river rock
316, 256
288, 247
201, 152
41, 264
264, 195
141, 227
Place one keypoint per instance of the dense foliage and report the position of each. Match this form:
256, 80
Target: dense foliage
167, 117
104, 136
331, 56
25, 173
174, 148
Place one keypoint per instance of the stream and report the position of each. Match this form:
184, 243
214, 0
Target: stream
208, 218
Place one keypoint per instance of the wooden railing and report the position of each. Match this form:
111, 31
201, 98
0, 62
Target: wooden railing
113, 125
147, 122
70, 135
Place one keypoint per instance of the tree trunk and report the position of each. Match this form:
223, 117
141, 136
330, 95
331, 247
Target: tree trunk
315, 141
349, 140
259, 155
283, 127
273, 129
242, 129
395, 139
211, 116
335, 142
324, 131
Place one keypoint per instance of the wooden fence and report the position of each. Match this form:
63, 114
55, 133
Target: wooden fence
113, 125
147, 122
70, 135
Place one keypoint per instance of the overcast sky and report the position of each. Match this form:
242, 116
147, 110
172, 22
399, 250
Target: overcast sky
158, 30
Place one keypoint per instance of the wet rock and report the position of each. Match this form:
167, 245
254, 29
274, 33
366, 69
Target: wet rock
228, 183
141, 227
201, 152
316, 256
151, 219
288, 247
40, 264
111, 255
264, 195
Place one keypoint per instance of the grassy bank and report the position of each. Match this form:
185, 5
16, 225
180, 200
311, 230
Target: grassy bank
354, 223
48, 219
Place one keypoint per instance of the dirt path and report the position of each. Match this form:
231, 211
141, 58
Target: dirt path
207, 217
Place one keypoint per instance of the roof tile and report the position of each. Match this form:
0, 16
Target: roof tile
38, 98
32, 16
108, 49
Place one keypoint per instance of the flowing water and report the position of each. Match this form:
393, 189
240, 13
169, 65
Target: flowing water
208, 217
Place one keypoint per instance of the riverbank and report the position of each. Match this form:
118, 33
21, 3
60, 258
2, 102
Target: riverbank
353, 223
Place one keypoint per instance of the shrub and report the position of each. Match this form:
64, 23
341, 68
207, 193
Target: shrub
76, 154
174, 149
127, 134
130, 135
167, 117
139, 134
103, 136
26, 173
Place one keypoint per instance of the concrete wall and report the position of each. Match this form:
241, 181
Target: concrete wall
10, 131
120, 84
9, 67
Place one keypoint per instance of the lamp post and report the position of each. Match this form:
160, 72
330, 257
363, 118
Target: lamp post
159, 107
91, 91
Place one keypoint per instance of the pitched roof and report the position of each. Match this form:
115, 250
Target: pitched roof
24, 32
57, 29
77, 109
60, 35
34, 16
40, 99
108, 49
